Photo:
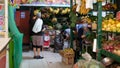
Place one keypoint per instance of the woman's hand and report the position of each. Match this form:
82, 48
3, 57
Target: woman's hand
34, 17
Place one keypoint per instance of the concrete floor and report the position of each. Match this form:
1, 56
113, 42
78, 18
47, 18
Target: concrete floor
51, 60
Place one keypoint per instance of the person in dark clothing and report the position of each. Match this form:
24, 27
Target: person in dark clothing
37, 35
82, 33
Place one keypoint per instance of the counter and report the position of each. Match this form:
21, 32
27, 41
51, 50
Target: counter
3, 44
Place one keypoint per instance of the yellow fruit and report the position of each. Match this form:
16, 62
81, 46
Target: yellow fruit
36, 12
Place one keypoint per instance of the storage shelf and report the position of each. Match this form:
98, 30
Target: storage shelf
111, 55
51, 5
111, 32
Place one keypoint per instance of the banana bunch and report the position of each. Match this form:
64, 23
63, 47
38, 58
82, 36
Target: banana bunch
83, 9
51, 9
65, 11
36, 12
74, 7
88, 20
55, 11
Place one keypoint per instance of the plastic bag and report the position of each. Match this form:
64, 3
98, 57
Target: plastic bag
87, 56
37, 26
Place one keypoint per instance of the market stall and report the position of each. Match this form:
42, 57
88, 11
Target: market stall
4, 40
98, 14
107, 32
3, 48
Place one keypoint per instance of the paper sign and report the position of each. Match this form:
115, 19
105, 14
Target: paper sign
22, 14
2, 11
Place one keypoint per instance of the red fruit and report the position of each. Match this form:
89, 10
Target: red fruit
111, 47
107, 47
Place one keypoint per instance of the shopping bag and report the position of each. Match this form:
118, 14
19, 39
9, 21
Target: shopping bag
37, 26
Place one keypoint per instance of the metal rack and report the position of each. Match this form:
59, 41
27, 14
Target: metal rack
99, 37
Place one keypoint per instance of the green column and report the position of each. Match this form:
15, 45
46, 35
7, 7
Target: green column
71, 34
11, 53
99, 30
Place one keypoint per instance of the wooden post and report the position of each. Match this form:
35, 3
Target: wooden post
6, 18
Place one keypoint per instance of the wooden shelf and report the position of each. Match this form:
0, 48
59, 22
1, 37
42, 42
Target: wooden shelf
51, 5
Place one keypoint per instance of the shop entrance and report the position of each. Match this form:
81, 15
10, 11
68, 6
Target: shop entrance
51, 48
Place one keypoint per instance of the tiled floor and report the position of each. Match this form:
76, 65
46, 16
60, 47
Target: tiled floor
51, 60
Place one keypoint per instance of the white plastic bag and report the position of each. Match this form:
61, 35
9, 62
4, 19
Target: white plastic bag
37, 26
87, 56
46, 38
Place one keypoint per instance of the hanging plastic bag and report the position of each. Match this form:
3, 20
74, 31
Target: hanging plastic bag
37, 26
87, 56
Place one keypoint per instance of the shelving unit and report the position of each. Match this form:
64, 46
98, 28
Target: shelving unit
45, 5
99, 37
111, 55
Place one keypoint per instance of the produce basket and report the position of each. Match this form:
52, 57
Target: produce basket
68, 52
67, 56
68, 60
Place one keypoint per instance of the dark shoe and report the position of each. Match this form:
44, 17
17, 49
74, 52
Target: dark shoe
35, 57
39, 57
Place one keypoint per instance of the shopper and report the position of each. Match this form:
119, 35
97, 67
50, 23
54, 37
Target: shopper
37, 35
82, 33
66, 35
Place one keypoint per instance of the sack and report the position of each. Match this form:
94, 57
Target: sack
37, 26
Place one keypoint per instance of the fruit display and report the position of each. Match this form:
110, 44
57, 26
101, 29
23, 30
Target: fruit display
74, 7
24, 1
112, 46
111, 25
36, 11
59, 10
87, 18
109, 6
83, 10
52, 15
54, 19
65, 11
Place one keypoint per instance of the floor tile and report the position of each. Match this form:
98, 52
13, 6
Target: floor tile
50, 60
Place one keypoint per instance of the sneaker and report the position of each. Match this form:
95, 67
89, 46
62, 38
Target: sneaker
39, 57
35, 57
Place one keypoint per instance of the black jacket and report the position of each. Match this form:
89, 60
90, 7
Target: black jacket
31, 26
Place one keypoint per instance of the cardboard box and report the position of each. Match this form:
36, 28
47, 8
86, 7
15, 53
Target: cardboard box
68, 60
